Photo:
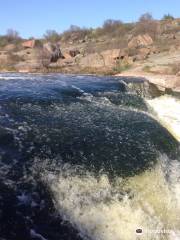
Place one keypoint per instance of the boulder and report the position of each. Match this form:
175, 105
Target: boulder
4, 57
8, 59
139, 57
173, 49
28, 67
66, 55
162, 69
168, 36
154, 50
33, 59
74, 52
63, 63
165, 81
32, 44
145, 51
178, 74
140, 41
9, 47
108, 58
54, 50
112, 56
82, 40
94, 60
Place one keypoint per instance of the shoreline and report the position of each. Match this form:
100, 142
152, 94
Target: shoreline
163, 82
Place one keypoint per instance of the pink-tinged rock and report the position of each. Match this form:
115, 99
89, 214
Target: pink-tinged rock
140, 41
32, 44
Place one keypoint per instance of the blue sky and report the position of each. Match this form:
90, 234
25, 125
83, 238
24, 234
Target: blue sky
34, 17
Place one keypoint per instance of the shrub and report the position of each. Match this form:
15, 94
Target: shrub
168, 17
113, 28
120, 67
147, 68
12, 36
3, 41
110, 25
75, 33
51, 36
147, 25
145, 17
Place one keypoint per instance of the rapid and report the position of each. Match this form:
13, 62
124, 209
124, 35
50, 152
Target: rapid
88, 157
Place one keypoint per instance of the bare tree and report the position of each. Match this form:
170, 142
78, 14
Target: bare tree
52, 36
147, 24
168, 17
146, 17
110, 23
75, 33
111, 26
12, 35
74, 28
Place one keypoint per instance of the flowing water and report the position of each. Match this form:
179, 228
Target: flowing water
167, 109
85, 157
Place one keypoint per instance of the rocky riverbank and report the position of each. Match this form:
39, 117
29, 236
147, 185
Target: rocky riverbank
137, 52
164, 83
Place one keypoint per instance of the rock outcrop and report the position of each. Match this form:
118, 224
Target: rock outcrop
36, 57
74, 52
108, 59
10, 47
140, 41
8, 59
33, 60
32, 44
96, 51
3, 57
54, 50
111, 57
94, 60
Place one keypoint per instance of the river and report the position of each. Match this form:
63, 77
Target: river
87, 157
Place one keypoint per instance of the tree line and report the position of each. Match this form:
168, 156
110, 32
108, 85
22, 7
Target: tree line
145, 24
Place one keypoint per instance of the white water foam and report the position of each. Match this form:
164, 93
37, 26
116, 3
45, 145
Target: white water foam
167, 109
101, 210
11, 77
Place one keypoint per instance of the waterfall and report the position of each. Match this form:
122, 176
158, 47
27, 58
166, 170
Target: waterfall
88, 157
167, 110
101, 210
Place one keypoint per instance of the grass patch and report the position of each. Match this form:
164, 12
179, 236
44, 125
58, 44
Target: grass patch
121, 67
147, 68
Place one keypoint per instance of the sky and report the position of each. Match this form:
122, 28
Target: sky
34, 17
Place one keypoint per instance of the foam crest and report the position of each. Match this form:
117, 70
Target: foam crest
102, 210
167, 109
